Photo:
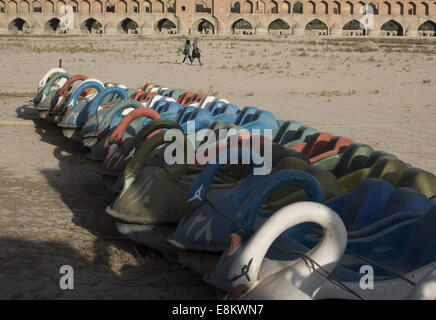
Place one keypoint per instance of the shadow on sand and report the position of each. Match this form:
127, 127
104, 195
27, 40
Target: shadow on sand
35, 265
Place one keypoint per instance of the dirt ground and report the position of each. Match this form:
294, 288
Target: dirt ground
379, 92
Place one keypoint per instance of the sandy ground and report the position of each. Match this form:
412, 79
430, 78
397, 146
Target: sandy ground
379, 92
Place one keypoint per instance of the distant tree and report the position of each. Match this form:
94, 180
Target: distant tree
353, 25
168, 25
427, 26
316, 25
132, 25
96, 25
242, 24
279, 25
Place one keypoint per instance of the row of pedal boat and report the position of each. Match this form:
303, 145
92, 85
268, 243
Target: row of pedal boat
329, 206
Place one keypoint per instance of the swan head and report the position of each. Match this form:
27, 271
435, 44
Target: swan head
292, 279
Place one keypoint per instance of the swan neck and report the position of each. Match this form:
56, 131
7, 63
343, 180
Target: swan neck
326, 253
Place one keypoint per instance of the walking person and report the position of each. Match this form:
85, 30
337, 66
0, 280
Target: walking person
196, 52
187, 51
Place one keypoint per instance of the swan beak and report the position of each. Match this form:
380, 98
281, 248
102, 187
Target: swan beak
235, 243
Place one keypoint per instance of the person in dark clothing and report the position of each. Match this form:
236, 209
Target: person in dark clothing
196, 52
186, 51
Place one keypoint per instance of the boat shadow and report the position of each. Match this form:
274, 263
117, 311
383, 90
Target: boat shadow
83, 191
33, 271
81, 188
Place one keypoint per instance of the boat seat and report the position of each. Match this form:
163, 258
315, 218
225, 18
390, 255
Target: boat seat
420, 180
184, 114
368, 198
241, 117
292, 138
336, 145
159, 105
400, 201
225, 110
355, 157
202, 117
186, 98
176, 94
261, 120
216, 105
287, 126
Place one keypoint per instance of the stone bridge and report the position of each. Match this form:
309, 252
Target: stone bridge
222, 17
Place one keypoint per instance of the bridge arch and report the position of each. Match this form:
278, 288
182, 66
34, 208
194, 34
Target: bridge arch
361, 7
202, 6
348, 8
12, 7
242, 26
18, 25
411, 8
166, 25
85, 7
37, 7
133, 6
260, 6
398, 8
91, 25
157, 6
204, 26
2, 7
391, 28
24, 7
353, 28
324, 9
273, 7
427, 29
121, 6
285, 7
386, 8
97, 6
128, 26
316, 27
247, 7
374, 8
279, 26
336, 7
48, 6
310, 7
235, 7
147, 7
424, 9
52, 25
58, 5
298, 8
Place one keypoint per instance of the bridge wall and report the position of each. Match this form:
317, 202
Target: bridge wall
188, 15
